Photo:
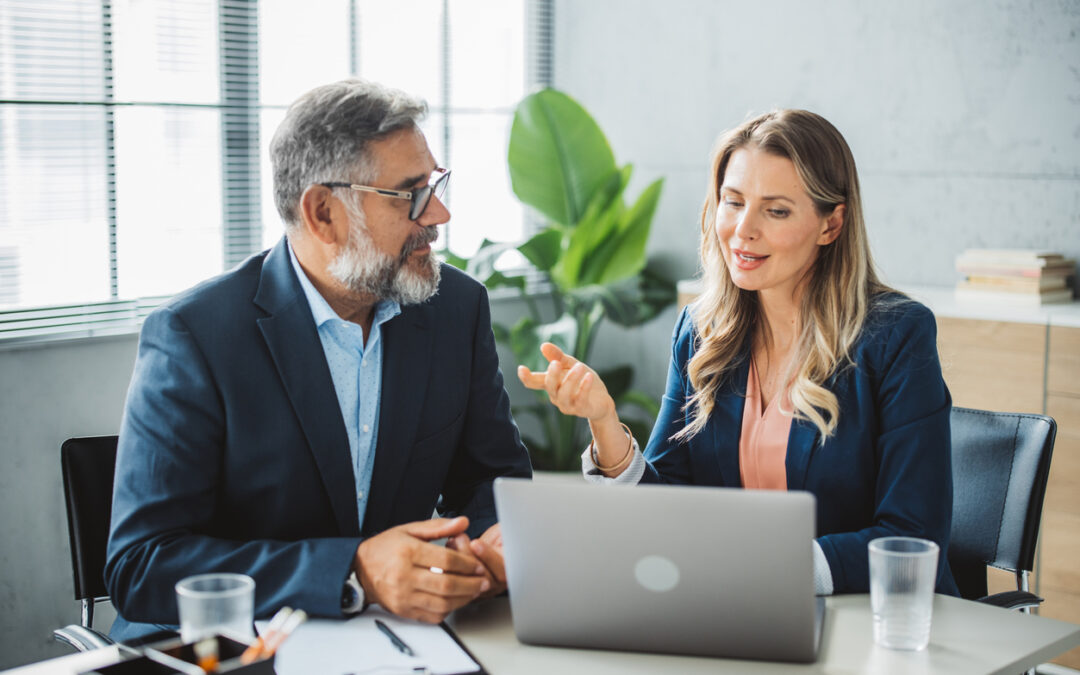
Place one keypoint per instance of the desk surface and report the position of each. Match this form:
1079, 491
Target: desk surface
966, 638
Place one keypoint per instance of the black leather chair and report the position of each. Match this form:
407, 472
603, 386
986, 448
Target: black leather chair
1000, 465
87, 465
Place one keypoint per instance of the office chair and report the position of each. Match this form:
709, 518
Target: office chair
87, 465
1000, 464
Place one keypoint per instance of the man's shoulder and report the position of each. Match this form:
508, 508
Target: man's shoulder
220, 296
454, 281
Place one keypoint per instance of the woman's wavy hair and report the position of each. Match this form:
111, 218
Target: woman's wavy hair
842, 281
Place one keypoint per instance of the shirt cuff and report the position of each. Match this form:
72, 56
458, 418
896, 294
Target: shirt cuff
630, 476
822, 572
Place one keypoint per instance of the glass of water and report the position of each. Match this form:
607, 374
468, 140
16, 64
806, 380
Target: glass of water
216, 603
903, 573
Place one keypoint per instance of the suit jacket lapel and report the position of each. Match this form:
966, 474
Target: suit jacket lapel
407, 346
293, 341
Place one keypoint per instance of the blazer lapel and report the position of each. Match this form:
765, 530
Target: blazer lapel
407, 346
725, 427
802, 441
293, 341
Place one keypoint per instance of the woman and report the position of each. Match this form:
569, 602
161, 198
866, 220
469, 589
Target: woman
796, 368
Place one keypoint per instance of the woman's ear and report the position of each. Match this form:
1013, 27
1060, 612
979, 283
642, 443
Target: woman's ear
834, 223
316, 213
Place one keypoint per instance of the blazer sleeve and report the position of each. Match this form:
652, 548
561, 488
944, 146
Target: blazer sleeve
911, 448
668, 461
490, 444
169, 459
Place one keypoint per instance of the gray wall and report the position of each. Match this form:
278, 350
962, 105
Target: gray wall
51, 392
964, 117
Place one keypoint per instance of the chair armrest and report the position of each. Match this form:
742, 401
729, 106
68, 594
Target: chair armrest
1012, 600
82, 638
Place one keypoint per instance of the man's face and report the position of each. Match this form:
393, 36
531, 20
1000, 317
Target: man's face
387, 255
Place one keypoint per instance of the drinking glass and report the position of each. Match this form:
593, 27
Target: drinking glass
216, 603
903, 572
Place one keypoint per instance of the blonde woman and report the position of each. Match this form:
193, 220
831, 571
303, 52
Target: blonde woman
796, 368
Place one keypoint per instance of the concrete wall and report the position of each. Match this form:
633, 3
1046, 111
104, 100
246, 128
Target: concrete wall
963, 116
51, 392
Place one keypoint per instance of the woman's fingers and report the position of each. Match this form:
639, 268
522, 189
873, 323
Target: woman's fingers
530, 379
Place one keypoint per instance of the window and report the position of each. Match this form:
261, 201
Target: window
134, 133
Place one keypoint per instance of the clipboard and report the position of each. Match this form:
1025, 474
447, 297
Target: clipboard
355, 646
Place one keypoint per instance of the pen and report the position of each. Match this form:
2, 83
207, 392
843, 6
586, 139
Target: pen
402, 647
252, 653
274, 641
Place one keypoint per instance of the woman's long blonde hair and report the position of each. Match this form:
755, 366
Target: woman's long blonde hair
840, 287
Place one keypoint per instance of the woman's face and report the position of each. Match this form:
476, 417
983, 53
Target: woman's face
768, 228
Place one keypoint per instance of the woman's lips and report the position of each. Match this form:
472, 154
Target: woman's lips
745, 260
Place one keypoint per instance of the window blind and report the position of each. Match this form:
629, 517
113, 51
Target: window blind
133, 133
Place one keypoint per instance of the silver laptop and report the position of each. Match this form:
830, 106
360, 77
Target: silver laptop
673, 569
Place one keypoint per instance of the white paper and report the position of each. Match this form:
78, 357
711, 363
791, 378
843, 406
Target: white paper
356, 645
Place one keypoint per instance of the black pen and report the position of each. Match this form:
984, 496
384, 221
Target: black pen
398, 642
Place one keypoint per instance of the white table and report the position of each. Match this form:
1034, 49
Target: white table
967, 638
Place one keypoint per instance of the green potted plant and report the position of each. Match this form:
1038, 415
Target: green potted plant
591, 254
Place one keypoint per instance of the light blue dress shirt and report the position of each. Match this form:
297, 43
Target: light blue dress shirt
356, 370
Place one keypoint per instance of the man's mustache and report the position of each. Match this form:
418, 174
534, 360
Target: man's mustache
422, 238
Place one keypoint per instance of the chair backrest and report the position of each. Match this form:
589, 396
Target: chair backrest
87, 465
1000, 464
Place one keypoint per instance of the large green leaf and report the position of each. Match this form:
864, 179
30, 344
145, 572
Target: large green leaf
630, 302
617, 380
543, 249
558, 156
599, 222
482, 264
622, 255
527, 335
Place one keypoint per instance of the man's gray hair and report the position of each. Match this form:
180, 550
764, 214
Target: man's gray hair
326, 135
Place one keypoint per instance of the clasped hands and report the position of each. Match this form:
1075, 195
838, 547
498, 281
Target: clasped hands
401, 570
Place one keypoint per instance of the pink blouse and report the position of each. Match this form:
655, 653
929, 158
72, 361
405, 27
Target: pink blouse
764, 437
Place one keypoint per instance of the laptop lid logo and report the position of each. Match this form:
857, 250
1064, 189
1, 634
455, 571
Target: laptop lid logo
656, 573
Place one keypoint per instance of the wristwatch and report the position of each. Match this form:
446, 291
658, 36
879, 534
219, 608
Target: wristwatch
352, 595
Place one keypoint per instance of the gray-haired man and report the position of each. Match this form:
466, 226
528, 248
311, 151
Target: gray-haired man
298, 418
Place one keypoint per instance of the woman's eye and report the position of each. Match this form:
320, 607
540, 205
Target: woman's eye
732, 203
780, 213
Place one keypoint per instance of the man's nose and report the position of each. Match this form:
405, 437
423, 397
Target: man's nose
436, 213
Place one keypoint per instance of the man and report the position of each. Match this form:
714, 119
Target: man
299, 418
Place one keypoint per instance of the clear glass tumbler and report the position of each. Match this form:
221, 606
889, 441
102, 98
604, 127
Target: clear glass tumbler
903, 573
216, 603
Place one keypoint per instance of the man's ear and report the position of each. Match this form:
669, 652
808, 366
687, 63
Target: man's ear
834, 223
316, 213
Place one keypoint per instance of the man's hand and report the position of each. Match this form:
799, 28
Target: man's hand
395, 568
488, 551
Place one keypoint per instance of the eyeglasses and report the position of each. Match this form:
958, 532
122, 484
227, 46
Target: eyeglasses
420, 197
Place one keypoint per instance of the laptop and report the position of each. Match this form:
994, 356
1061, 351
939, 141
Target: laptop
658, 568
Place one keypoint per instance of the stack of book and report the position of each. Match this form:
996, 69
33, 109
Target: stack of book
1015, 276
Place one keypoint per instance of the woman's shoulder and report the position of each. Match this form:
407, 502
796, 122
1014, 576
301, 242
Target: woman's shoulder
893, 318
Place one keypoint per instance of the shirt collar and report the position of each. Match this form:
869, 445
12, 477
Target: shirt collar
321, 310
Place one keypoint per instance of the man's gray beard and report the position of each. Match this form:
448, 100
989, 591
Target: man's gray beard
362, 268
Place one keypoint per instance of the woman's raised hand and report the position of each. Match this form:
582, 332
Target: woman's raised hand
573, 387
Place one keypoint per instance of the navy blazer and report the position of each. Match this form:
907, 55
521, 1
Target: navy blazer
885, 471
233, 454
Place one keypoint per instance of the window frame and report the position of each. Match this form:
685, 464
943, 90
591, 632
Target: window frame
240, 109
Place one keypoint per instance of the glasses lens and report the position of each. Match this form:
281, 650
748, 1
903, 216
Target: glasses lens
420, 201
440, 185
422, 196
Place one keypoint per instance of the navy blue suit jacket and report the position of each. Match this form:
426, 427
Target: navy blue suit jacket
885, 471
233, 454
